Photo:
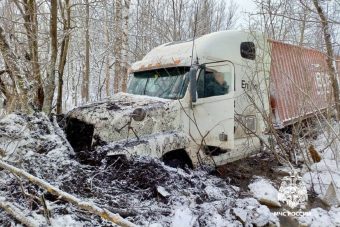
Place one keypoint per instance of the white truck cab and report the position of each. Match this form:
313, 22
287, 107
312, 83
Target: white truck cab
199, 101
217, 108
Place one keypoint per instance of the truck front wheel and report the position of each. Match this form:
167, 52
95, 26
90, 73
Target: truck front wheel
177, 159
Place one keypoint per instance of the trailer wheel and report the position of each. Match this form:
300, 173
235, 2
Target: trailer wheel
177, 159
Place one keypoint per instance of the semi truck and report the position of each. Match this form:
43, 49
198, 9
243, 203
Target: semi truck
209, 100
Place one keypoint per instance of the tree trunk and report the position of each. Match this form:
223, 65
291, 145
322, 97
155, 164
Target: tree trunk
330, 56
21, 88
118, 45
125, 43
64, 51
50, 78
86, 74
107, 57
29, 14
303, 28
3, 88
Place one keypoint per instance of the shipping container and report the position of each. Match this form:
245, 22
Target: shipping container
300, 83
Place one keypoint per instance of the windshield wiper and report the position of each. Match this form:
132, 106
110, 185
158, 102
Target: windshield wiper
184, 84
146, 84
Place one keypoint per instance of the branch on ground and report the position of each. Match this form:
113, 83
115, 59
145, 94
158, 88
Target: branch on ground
102, 212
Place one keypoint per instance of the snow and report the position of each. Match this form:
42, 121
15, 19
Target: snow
66, 221
326, 165
183, 217
152, 145
323, 178
142, 99
214, 193
249, 212
111, 119
322, 174
161, 190
155, 225
148, 192
265, 192
21, 135
321, 217
329, 154
188, 197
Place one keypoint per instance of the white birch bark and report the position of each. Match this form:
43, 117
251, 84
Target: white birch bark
125, 45
118, 45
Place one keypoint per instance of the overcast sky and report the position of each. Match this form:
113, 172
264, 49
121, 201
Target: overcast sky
245, 6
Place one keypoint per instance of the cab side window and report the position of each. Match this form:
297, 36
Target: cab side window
247, 50
211, 84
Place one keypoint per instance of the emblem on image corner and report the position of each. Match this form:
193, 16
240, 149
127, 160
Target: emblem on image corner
293, 191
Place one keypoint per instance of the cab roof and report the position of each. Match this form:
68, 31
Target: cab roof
223, 45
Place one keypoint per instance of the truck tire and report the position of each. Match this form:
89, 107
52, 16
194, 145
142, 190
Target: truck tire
175, 163
177, 159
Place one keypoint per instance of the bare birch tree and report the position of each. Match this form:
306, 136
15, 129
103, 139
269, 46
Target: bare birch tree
125, 42
117, 45
122, 9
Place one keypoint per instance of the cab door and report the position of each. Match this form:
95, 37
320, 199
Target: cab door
212, 115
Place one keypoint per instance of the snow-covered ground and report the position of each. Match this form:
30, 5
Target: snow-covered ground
321, 174
142, 190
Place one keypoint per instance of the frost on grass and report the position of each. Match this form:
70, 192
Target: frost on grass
142, 190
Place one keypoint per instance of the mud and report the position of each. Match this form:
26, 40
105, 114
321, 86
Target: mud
242, 172
120, 175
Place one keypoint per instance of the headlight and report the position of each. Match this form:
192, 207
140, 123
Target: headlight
138, 114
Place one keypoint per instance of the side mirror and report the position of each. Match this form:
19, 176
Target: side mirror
193, 83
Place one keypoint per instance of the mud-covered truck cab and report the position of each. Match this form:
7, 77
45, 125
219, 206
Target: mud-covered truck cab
196, 101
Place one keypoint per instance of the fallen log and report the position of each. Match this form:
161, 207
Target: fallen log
102, 212
17, 214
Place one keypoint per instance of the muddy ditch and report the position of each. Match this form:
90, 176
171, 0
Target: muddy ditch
133, 188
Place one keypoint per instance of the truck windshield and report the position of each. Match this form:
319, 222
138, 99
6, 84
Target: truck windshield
168, 83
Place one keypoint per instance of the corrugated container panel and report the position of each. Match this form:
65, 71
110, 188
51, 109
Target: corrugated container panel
299, 82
